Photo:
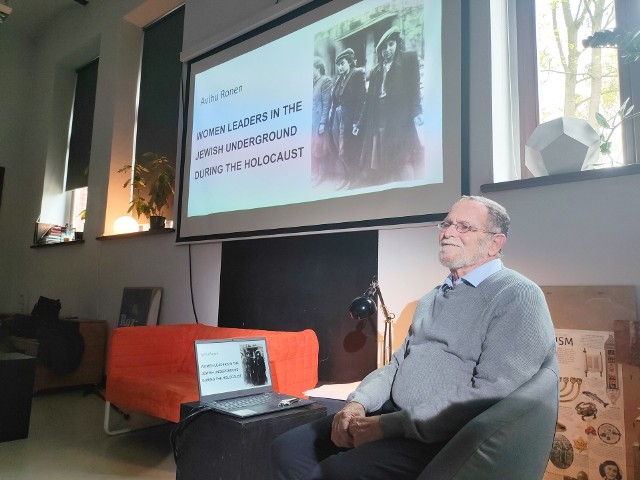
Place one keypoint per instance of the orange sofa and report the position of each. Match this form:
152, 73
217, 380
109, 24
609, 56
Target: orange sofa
152, 369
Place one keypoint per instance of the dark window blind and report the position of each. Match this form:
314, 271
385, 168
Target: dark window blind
160, 76
82, 126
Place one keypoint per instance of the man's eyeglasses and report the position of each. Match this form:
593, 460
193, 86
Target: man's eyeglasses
463, 227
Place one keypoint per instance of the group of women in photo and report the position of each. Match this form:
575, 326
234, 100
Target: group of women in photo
366, 135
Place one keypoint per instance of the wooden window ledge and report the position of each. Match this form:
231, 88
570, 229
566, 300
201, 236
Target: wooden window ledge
146, 233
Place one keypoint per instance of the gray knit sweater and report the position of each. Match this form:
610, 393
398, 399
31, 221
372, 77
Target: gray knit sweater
465, 350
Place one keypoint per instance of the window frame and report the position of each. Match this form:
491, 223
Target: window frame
149, 124
81, 126
74, 210
628, 17
56, 200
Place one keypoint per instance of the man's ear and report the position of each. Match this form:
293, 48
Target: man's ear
497, 242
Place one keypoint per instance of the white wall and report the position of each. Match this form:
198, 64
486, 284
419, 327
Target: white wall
20, 179
88, 278
582, 233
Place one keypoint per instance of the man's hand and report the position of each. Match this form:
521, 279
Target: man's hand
340, 427
364, 430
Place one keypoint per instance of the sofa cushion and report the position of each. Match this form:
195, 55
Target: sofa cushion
157, 394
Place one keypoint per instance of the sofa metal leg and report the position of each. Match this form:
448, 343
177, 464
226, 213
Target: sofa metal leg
132, 421
107, 417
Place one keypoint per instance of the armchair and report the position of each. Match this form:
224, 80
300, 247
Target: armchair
511, 439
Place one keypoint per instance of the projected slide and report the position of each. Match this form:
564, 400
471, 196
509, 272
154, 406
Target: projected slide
349, 105
232, 366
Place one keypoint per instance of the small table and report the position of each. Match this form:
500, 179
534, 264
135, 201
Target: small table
17, 372
220, 446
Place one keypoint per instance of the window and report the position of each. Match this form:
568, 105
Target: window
160, 78
79, 153
574, 81
78, 208
84, 104
558, 76
66, 176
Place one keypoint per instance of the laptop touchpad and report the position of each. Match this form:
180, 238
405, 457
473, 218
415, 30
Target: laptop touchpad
244, 412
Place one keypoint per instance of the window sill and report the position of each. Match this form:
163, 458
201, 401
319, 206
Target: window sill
59, 244
160, 231
562, 178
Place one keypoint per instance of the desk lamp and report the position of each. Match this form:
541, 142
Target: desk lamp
365, 307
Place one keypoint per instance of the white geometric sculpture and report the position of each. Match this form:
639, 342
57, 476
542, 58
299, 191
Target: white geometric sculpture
562, 145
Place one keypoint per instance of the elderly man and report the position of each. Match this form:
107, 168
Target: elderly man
473, 340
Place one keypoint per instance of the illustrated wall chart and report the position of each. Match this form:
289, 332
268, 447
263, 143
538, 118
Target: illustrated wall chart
589, 442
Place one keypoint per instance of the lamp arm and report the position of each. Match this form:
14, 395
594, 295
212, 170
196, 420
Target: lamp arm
388, 317
365, 306
388, 327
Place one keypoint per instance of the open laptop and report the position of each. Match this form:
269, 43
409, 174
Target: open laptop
234, 378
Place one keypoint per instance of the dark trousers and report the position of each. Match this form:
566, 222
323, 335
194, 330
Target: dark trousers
307, 452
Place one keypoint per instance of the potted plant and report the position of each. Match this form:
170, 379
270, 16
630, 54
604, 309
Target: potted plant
628, 43
83, 216
609, 126
153, 182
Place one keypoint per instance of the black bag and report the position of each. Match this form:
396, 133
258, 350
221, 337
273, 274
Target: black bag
46, 309
61, 346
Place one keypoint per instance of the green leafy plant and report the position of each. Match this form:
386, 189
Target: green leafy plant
153, 181
629, 46
609, 126
626, 42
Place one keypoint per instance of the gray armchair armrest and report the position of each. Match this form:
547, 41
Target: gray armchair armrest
512, 439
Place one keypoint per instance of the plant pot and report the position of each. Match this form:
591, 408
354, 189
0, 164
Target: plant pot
156, 222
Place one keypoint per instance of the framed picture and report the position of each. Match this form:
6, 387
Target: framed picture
140, 306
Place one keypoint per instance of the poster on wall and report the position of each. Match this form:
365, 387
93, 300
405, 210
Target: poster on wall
140, 306
589, 443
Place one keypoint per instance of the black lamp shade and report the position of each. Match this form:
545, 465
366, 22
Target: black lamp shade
362, 308
365, 307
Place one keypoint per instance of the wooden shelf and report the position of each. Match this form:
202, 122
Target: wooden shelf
161, 231
633, 169
59, 244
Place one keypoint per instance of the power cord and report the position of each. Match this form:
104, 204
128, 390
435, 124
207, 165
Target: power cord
193, 303
184, 423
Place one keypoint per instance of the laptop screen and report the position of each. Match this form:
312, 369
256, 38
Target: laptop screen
232, 367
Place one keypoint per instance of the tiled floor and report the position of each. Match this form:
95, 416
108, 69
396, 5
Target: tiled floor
67, 442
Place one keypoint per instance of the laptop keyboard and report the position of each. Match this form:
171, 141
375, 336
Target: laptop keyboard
237, 403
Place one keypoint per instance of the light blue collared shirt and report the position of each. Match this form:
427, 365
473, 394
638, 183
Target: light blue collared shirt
476, 276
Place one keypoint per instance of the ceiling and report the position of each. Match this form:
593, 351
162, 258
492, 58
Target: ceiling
30, 16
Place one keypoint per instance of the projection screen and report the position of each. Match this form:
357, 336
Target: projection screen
337, 116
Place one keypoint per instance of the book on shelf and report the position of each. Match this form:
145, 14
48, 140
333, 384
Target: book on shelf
47, 233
